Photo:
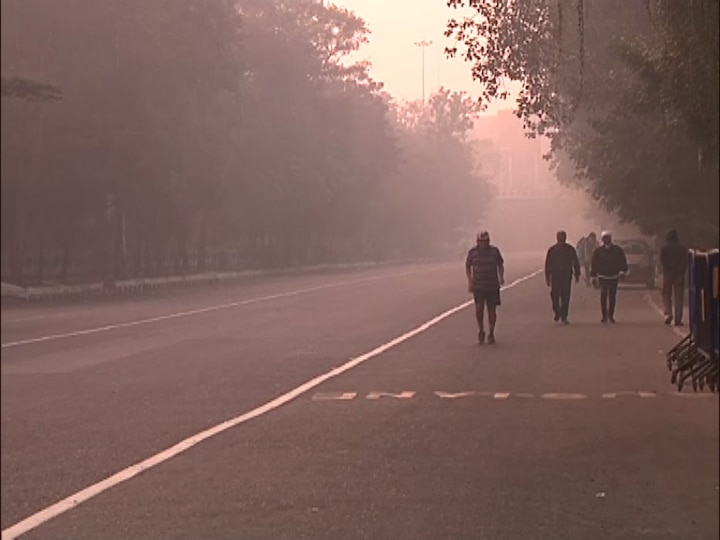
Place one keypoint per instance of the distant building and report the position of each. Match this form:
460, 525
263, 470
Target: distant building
519, 170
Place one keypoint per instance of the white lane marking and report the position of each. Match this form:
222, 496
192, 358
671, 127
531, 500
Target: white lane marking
561, 395
451, 395
661, 311
87, 311
501, 395
407, 394
202, 310
334, 396
83, 495
613, 395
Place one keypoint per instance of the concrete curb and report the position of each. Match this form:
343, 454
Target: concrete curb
130, 286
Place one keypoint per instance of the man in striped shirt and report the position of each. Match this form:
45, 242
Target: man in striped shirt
485, 271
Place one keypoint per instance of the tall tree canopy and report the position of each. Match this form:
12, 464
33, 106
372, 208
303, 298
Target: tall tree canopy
197, 134
627, 92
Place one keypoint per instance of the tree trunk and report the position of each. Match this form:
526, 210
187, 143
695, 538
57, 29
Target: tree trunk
41, 258
202, 248
138, 256
146, 258
176, 258
181, 255
158, 255
108, 245
184, 255
119, 245
64, 262
13, 240
15, 256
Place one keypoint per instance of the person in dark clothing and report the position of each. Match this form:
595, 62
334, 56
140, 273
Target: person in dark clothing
608, 266
485, 271
580, 249
561, 263
674, 261
585, 256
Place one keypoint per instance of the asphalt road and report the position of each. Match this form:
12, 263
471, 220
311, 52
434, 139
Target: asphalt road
555, 432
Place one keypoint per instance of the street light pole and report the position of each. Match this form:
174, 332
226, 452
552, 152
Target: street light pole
422, 44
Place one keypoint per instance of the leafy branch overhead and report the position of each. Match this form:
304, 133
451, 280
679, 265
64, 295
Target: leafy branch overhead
590, 72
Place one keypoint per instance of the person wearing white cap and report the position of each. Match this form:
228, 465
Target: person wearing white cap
485, 271
609, 265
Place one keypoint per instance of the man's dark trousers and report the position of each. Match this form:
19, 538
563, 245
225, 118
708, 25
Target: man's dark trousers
560, 287
608, 296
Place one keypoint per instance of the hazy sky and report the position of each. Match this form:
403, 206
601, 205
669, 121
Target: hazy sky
395, 26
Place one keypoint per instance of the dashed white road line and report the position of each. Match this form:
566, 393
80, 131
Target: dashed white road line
334, 396
198, 311
81, 496
405, 394
453, 395
563, 395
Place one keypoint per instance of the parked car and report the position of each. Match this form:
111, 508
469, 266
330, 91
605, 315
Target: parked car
641, 261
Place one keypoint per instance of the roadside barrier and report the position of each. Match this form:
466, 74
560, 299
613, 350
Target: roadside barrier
697, 355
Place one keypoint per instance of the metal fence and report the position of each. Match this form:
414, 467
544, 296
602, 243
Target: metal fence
697, 355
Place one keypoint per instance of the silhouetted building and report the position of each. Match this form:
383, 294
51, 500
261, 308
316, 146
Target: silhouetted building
519, 168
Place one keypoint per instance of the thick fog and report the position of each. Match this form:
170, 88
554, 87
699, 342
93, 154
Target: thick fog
148, 138
529, 203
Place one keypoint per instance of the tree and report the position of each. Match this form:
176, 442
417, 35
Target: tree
437, 187
200, 134
626, 91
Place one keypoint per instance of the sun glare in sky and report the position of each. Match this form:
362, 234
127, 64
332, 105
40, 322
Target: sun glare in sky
396, 26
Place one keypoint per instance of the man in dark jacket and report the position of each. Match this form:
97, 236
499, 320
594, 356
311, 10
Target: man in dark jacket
674, 261
561, 263
608, 266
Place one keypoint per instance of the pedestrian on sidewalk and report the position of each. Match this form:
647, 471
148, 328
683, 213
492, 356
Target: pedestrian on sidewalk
608, 267
674, 263
561, 264
485, 271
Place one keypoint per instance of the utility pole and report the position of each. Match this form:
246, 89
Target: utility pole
422, 44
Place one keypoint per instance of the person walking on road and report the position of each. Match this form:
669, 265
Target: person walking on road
561, 264
485, 271
586, 253
674, 262
608, 267
579, 248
